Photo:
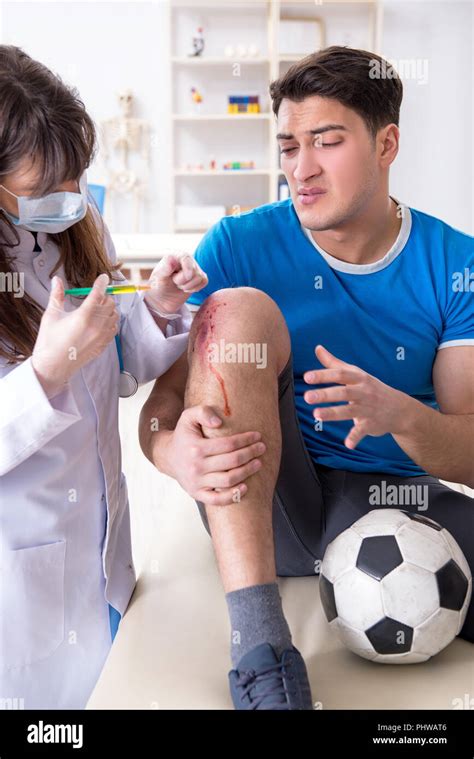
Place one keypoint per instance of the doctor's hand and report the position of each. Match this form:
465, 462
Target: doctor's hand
173, 280
67, 340
211, 470
375, 408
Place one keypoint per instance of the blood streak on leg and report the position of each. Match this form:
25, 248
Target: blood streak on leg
221, 382
204, 338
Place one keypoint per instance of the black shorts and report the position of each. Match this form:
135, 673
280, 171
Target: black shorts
312, 503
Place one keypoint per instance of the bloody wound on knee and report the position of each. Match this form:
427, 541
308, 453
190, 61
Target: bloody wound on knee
205, 336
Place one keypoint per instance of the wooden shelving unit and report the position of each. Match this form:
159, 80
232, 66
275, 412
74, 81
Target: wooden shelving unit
197, 135
222, 172
218, 61
221, 117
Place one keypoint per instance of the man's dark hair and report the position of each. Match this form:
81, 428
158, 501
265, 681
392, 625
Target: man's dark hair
360, 80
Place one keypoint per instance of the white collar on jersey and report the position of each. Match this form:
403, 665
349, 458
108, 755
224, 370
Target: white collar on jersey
395, 250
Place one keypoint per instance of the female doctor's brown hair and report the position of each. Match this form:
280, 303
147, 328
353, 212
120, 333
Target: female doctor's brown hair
43, 119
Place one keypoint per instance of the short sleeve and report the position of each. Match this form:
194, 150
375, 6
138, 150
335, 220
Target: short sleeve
458, 327
214, 256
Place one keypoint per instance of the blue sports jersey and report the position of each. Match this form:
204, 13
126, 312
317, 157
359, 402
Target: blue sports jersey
389, 318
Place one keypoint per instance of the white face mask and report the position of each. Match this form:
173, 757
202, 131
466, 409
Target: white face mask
52, 213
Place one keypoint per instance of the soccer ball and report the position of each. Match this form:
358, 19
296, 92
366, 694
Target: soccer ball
395, 586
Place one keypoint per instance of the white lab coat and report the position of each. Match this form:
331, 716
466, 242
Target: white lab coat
65, 527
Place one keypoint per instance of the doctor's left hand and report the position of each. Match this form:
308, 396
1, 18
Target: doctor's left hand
173, 280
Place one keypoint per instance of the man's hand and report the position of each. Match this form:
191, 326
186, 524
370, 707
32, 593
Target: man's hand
376, 408
202, 465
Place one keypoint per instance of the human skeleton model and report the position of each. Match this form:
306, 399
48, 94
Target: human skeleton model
198, 43
123, 136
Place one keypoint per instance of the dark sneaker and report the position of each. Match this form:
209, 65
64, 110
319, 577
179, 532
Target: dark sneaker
262, 681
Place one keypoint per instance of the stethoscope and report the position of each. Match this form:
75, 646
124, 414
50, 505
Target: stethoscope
128, 384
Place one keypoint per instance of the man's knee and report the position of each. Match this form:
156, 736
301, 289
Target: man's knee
241, 313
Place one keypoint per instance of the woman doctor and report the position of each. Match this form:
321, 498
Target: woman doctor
66, 564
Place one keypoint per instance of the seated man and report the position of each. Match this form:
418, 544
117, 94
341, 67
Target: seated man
333, 350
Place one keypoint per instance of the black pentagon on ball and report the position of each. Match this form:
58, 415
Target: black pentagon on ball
423, 520
328, 599
452, 586
385, 636
378, 555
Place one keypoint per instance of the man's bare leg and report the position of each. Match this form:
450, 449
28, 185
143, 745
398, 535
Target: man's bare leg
269, 673
247, 397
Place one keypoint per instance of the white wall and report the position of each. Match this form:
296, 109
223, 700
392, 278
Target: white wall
102, 47
434, 169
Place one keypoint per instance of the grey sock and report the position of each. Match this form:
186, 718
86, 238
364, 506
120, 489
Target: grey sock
256, 616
